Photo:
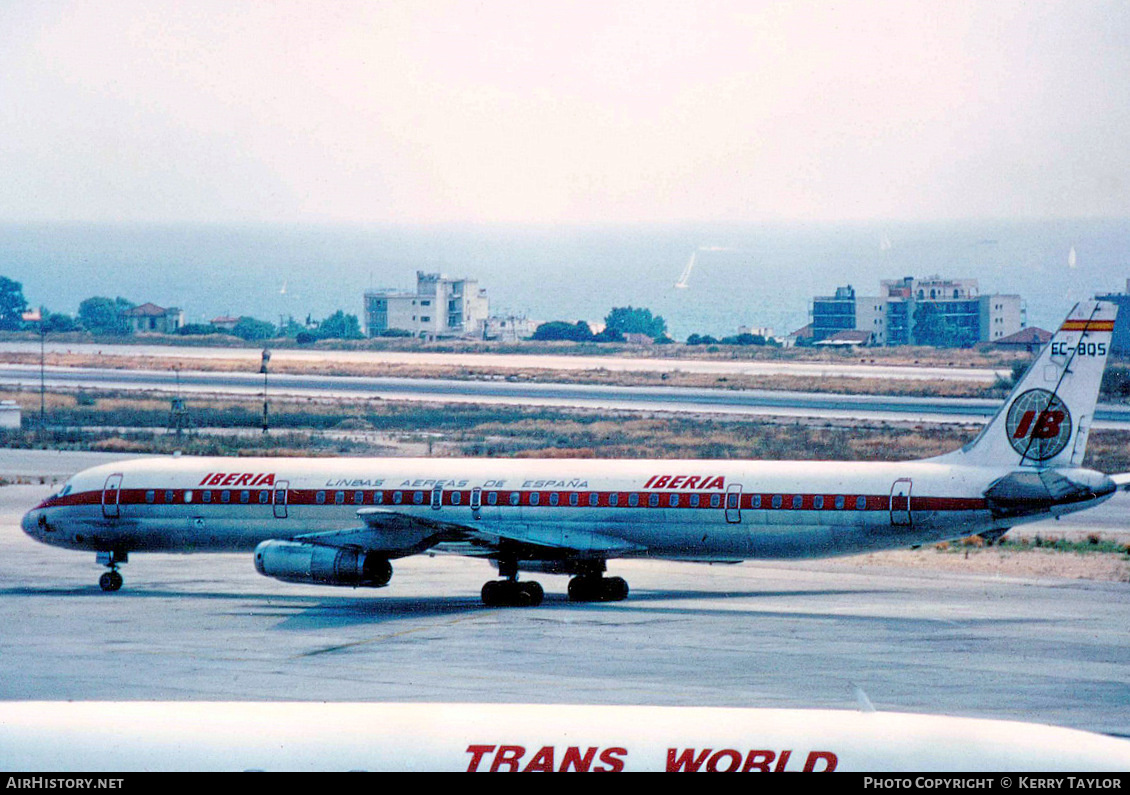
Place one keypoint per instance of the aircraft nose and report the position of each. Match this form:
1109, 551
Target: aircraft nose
30, 522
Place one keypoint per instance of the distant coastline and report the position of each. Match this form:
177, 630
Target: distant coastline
744, 274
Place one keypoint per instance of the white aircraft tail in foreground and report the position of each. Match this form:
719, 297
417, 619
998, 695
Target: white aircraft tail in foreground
341, 521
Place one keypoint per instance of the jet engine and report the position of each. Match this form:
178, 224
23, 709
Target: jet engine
294, 561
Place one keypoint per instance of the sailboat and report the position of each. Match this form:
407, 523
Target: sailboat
686, 274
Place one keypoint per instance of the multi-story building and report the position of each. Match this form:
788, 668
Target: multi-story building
909, 311
1120, 341
440, 307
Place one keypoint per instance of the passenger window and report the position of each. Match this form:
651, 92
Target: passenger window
150, 496
613, 499
206, 495
264, 497
798, 502
594, 499
776, 500
535, 497
359, 497
456, 497
861, 503
653, 500
755, 501
225, 496
715, 500
418, 497
170, 496
554, 498
574, 499
633, 500
378, 497
694, 500
818, 501
515, 498
398, 497
320, 498
673, 501
339, 497
245, 496
492, 498
839, 502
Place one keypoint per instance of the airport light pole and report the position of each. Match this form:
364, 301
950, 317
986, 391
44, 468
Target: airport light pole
263, 370
36, 316
42, 375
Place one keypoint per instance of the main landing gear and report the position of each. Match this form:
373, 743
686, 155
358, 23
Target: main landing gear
590, 585
509, 592
111, 580
595, 588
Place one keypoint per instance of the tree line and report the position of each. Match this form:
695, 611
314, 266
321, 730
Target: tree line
104, 316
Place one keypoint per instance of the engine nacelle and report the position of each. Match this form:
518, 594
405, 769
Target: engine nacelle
294, 561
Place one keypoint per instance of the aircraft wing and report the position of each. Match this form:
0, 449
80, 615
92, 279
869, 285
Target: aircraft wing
405, 534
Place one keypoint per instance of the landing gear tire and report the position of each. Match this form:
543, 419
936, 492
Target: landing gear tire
510, 593
588, 588
110, 581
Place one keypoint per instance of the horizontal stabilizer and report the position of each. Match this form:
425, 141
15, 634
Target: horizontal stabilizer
1122, 480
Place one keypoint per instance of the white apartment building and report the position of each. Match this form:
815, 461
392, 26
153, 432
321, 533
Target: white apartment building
892, 318
440, 307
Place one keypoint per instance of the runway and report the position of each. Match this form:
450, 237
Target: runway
208, 627
747, 402
523, 361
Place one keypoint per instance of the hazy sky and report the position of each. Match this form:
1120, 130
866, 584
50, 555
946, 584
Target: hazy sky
541, 111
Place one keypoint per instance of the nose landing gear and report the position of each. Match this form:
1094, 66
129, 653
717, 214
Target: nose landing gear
111, 580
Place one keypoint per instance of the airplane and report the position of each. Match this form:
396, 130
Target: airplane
341, 521
64, 736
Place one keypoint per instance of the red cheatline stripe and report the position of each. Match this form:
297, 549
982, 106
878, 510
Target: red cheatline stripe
1087, 325
459, 498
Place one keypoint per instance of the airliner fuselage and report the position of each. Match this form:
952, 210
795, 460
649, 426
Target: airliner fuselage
694, 509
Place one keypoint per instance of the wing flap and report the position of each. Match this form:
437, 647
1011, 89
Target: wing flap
397, 533
391, 532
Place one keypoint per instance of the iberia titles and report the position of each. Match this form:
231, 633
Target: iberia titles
685, 482
238, 479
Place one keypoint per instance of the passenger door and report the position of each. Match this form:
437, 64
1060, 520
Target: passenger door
111, 496
900, 502
279, 499
734, 503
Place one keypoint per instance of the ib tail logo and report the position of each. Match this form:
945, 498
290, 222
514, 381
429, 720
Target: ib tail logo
1038, 425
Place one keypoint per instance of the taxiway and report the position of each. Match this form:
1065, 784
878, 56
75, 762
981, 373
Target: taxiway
207, 627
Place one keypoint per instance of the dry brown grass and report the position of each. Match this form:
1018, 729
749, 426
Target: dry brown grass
838, 385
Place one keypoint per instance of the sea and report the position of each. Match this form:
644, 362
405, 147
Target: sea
753, 275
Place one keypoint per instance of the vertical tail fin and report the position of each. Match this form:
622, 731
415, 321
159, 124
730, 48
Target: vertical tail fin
1048, 415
